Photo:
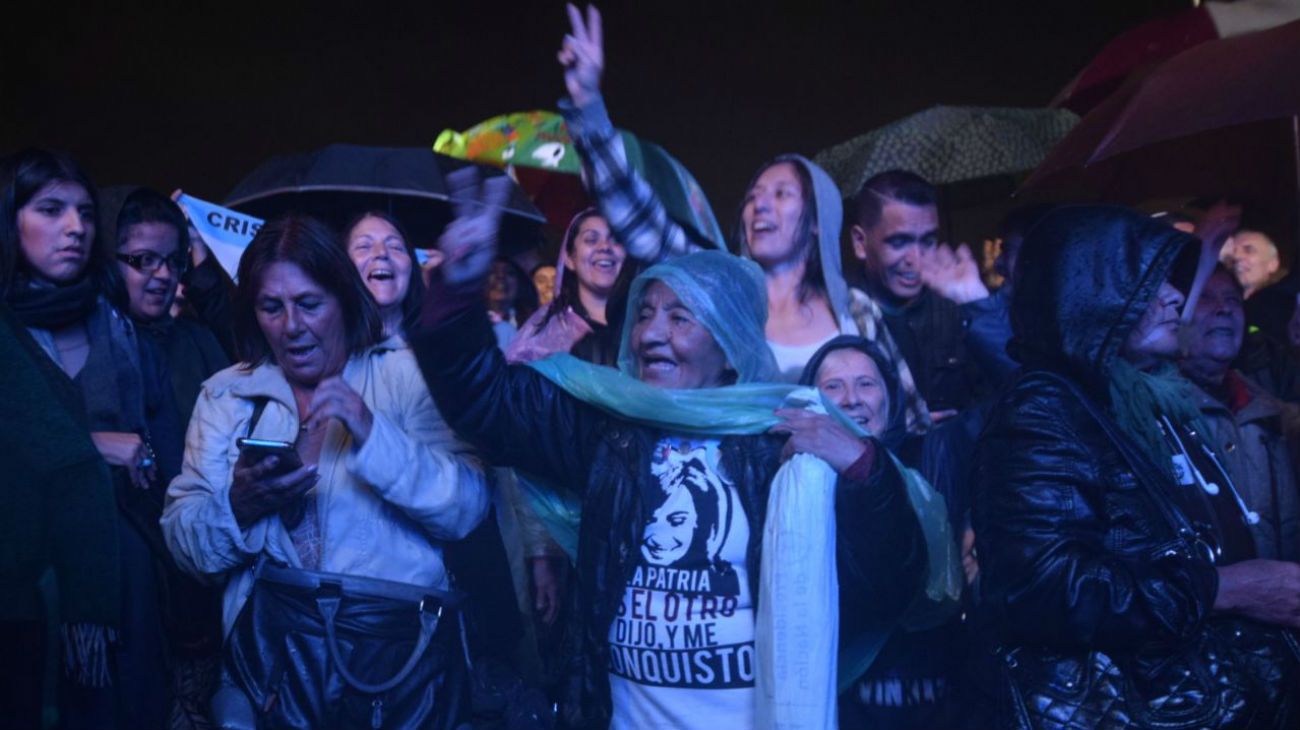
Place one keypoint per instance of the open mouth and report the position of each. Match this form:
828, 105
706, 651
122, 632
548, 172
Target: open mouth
657, 364
908, 278
604, 264
301, 352
760, 227
381, 275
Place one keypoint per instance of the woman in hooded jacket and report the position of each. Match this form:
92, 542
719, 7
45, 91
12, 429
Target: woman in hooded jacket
789, 224
912, 682
1118, 581
673, 499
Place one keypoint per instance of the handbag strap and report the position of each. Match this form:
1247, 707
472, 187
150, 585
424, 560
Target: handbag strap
259, 405
328, 604
1147, 473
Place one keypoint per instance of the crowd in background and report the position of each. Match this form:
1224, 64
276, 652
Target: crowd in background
357, 491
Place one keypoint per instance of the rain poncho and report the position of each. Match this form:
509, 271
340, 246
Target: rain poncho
728, 296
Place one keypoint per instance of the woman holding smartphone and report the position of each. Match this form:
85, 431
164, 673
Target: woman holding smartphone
373, 483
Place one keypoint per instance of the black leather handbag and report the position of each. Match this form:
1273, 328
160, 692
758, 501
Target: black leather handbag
322, 650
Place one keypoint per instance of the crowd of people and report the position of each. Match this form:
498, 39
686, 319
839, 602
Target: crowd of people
352, 490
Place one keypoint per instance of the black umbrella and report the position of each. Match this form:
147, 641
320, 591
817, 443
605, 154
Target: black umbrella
340, 181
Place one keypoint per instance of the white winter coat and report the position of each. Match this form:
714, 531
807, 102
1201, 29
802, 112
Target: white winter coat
383, 507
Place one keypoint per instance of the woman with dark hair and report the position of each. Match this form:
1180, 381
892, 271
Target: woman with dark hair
1119, 585
386, 261
511, 296
369, 485
59, 279
590, 273
789, 223
149, 234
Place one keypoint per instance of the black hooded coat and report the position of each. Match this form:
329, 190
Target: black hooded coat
1094, 588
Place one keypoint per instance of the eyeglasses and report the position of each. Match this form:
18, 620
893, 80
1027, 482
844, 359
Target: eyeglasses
149, 262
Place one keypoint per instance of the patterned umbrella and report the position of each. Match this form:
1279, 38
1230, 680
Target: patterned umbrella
535, 148
947, 144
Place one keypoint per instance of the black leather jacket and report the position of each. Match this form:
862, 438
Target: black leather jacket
1082, 547
520, 419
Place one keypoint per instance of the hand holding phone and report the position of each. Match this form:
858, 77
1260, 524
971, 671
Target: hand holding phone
252, 451
260, 486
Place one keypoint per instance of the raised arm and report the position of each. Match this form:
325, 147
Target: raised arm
635, 213
512, 414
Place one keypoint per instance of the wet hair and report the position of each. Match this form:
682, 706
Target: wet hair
805, 234
24, 174
900, 185
414, 300
311, 246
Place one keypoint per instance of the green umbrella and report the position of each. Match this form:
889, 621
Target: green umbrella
536, 148
948, 144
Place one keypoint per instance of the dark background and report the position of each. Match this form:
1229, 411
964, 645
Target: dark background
195, 95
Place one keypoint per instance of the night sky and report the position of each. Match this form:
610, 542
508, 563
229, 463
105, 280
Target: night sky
195, 95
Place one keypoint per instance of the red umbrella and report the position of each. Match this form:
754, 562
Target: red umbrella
1139, 49
1165, 129
1136, 48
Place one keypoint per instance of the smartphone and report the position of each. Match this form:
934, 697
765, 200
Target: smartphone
257, 449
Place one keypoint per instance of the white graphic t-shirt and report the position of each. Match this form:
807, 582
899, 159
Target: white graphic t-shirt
682, 642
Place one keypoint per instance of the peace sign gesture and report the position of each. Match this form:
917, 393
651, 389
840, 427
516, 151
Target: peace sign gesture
469, 243
582, 55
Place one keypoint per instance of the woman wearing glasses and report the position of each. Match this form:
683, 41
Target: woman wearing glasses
151, 239
152, 245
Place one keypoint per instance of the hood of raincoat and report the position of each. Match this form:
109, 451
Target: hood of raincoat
829, 211
896, 425
1085, 276
727, 294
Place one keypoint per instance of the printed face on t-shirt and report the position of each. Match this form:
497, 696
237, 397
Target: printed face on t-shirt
669, 535
684, 527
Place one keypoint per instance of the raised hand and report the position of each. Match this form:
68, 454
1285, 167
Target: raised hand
953, 274
582, 54
469, 243
1214, 229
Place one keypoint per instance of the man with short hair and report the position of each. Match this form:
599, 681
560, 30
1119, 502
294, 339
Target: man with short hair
1251, 431
895, 226
1253, 258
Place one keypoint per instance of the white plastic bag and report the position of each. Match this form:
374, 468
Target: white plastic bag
797, 630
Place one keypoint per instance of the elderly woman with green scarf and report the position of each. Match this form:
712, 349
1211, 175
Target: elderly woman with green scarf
672, 457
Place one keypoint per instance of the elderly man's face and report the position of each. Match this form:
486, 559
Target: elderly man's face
1219, 321
1254, 259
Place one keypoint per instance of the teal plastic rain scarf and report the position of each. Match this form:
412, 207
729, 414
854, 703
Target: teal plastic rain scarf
728, 296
